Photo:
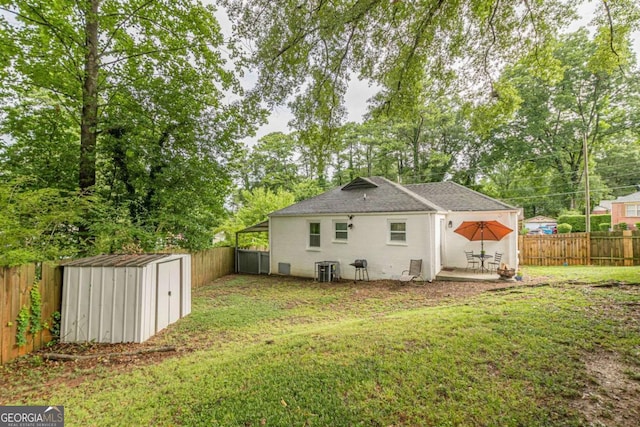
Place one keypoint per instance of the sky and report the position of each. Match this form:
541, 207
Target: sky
360, 91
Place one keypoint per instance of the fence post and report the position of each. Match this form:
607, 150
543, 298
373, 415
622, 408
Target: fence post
627, 247
588, 238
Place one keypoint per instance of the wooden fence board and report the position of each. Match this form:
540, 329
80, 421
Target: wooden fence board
598, 248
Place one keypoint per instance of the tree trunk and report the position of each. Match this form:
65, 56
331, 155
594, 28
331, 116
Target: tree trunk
89, 119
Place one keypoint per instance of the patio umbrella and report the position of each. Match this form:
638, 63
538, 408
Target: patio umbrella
483, 230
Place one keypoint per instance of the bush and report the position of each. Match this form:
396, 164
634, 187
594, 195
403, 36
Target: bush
564, 228
577, 222
605, 226
621, 226
597, 220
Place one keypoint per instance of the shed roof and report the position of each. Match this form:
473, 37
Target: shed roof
116, 260
377, 195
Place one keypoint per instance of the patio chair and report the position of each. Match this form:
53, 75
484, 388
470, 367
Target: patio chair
415, 270
471, 261
495, 263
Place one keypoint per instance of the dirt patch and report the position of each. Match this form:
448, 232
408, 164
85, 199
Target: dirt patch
612, 397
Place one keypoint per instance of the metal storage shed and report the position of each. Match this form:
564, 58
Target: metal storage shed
124, 298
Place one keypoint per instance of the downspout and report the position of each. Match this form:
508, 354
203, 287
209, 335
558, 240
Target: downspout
270, 244
433, 249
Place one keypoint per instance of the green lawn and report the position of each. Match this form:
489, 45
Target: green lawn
283, 352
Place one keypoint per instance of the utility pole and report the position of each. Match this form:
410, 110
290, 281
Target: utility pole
587, 199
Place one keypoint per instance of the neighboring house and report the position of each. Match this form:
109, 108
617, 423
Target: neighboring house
387, 224
626, 209
603, 208
538, 222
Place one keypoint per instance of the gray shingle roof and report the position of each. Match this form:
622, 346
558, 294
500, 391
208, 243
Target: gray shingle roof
633, 197
455, 197
383, 195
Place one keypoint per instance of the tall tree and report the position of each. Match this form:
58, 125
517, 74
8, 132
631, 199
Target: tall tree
144, 86
588, 101
311, 49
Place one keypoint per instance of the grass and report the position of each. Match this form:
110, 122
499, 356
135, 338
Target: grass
282, 352
580, 273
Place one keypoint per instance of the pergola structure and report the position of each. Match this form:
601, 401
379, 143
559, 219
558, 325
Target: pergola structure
262, 227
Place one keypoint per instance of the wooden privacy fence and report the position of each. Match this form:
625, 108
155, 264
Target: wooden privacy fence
15, 295
16, 284
210, 264
621, 248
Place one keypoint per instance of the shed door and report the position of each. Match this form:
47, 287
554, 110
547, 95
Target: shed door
168, 307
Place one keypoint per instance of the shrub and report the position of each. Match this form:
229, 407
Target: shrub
564, 228
597, 220
604, 226
621, 226
577, 222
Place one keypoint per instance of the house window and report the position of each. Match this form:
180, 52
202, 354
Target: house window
314, 234
632, 210
398, 231
341, 231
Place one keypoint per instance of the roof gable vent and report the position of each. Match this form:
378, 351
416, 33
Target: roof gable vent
359, 183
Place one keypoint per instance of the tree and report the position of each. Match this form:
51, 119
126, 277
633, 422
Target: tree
583, 101
272, 163
257, 204
311, 49
141, 88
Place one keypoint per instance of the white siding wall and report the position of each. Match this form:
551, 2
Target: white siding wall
368, 239
456, 245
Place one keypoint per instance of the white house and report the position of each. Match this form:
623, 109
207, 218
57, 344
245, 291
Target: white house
388, 224
539, 221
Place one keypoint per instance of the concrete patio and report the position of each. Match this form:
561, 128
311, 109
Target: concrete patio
464, 275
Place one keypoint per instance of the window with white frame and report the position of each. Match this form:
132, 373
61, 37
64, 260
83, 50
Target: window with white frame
314, 234
397, 231
632, 210
341, 231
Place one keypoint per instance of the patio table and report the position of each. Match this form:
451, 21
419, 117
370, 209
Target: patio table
482, 258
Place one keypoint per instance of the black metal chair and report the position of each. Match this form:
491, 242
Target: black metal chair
493, 265
471, 261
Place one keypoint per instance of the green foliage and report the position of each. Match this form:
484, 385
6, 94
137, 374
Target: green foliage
54, 327
149, 144
564, 228
30, 317
558, 112
37, 224
22, 326
597, 220
257, 204
604, 226
621, 226
35, 309
577, 222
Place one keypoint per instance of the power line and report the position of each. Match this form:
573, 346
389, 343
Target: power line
560, 194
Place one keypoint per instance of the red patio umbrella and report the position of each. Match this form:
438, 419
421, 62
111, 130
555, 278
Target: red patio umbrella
483, 230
